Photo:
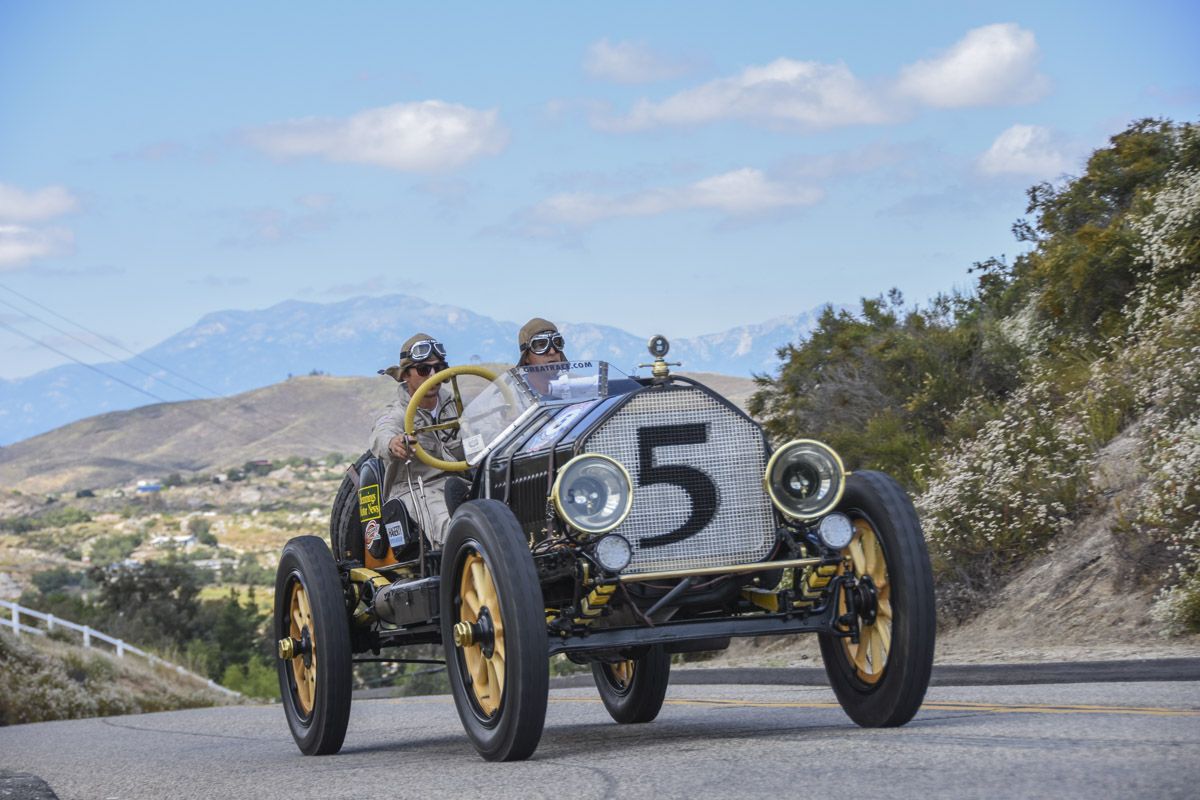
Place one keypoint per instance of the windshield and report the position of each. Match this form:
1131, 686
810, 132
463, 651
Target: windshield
517, 394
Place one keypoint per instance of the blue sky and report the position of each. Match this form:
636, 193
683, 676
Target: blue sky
681, 168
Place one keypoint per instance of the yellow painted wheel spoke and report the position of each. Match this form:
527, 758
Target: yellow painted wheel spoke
869, 657
857, 556
305, 676
478, 592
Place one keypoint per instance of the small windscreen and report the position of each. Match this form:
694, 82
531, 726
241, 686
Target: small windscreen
510, 399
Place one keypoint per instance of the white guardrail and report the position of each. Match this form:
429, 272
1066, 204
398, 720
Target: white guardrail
90, 636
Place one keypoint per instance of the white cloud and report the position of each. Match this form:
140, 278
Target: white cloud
632, 62
995, 65
990, 66
1027, 150
801, 93
739, 194
36, 206
20, 244
429, 136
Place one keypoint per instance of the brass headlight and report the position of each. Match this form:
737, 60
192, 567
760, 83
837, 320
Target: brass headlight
592, 493
805, 479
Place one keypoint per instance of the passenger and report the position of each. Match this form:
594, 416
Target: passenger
540, 343
421, 356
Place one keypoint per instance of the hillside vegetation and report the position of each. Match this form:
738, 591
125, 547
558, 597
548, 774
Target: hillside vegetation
998, 408
44, 680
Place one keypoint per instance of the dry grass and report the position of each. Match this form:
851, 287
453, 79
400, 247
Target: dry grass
43, 680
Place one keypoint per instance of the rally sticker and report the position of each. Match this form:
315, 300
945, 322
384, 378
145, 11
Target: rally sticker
395, 532
368, 503
372, 532
472, 446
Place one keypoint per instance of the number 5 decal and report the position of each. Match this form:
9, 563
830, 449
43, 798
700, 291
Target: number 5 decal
698, 485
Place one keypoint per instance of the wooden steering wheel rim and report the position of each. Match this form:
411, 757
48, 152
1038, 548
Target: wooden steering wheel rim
435, 380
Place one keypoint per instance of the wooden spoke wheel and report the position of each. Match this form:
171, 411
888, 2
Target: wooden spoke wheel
633, 690
881, 680
481, 619
313, 641
494, 631
870, 655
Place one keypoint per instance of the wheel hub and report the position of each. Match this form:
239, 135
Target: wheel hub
290, 648
866, 600
481, 632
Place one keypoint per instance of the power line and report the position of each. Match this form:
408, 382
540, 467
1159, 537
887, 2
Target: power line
92, 367
115, 359
183, 405
110, 341
249, 409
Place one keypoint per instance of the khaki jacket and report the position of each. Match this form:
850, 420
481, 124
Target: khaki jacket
439, 444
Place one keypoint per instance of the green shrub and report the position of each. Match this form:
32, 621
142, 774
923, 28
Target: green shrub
257, 678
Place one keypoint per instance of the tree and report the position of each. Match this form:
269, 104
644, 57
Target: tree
1085, 261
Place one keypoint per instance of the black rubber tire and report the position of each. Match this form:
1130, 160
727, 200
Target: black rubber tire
306, 562
640, 698
895, 696
345, 528
511, 732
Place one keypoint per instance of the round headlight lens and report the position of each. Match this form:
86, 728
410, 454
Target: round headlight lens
593, 493
614, 552
836, 531
805, 479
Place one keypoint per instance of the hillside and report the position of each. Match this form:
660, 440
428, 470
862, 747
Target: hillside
309, 417
1056, 404
75, 682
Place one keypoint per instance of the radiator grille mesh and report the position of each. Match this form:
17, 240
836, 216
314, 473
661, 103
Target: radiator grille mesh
697, 471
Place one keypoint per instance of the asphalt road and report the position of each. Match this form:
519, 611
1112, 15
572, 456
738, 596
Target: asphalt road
738, 740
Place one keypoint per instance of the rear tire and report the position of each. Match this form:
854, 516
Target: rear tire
633, 691
311, 609
500, 677
881, 681
345, 528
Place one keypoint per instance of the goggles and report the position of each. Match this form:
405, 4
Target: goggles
423, 350
543, 342
425, 370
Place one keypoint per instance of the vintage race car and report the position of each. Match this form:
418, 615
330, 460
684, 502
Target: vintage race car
616, 520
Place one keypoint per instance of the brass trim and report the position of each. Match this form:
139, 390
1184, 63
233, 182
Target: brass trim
829, 506
756, 567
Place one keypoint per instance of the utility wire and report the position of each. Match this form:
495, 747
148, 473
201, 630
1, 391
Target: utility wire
110, 341
115, 359
183, 406
249, 409
92, 367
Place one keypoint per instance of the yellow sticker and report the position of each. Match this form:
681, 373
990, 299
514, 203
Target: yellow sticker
368, 503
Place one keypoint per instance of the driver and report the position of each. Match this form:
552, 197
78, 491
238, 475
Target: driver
421, 356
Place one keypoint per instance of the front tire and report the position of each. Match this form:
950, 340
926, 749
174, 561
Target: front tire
494, 631
310, 613
633, 691
881, 680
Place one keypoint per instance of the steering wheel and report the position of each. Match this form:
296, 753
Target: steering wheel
435, 380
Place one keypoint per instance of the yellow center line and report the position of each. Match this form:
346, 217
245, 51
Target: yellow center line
996, 708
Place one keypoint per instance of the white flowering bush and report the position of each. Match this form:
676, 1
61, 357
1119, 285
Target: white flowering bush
1004, 490
1163, 365
1002, 495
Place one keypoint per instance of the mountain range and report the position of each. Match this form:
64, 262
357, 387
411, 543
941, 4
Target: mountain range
229, 352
